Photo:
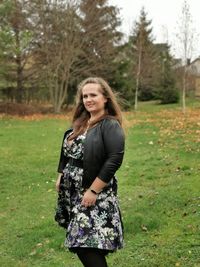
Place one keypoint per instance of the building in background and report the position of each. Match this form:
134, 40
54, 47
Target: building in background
194, 73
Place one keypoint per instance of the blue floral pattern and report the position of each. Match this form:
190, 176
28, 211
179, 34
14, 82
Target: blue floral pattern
99, 226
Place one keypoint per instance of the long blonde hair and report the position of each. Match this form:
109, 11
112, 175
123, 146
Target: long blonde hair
81, 115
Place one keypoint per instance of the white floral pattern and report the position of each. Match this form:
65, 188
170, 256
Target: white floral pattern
99, 226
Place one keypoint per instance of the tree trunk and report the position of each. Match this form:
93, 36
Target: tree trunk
138, 79
136, 93
184, 90
60, 95
19, 89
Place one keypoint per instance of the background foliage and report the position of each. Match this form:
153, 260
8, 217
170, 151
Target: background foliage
48, 47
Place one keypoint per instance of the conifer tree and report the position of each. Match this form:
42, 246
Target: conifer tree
99, 23
143, 55
15, 45
165, 89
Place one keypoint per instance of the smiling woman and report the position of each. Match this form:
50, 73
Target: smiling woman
91, 153
94, 100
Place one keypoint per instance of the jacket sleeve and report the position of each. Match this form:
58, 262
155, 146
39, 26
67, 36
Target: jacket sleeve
114, 142
63, 159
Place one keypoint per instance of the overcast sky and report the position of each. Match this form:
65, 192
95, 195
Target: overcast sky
165, 15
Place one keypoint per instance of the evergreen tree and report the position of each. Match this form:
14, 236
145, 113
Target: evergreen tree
165, 90
143, 57
123, 80
16, 45
99, 23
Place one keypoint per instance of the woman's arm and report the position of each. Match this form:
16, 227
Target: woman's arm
114, 142
113, 137
62, 163
58, 182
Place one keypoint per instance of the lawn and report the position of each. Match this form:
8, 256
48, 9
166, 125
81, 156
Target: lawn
159, 190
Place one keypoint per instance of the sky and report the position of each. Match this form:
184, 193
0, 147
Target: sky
165, 15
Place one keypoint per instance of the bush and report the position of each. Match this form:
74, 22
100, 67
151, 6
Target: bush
168, 96
146, 94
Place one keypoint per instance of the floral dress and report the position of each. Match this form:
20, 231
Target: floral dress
98, 226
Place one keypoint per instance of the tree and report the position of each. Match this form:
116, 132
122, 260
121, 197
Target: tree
185, 38
58, 46
76, 40
99, 23
123, 79
143, 57
16, 42
165, 90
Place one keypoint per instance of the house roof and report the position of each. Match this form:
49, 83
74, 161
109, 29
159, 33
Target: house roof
195, 60
194, 67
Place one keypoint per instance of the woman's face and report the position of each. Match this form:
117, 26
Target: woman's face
93, 99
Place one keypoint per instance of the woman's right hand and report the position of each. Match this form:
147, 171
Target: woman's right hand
58, 182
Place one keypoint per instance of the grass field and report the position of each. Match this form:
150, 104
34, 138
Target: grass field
159, 190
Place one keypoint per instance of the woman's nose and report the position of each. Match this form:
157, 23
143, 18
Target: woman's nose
88, 98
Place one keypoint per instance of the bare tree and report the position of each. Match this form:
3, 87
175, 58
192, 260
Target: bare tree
185, 37
71, 44
59, 45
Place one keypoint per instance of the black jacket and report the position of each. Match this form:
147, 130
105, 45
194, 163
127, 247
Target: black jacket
103, 151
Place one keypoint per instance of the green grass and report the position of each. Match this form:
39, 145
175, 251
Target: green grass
158, 189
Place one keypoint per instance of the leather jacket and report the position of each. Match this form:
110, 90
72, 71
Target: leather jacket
103, 151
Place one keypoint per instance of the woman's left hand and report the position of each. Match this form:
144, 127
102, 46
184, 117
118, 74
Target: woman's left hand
89, 199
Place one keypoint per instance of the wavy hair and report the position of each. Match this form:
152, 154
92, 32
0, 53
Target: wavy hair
81, 115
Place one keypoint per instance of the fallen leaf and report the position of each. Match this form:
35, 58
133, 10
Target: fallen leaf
144, 228
33, 253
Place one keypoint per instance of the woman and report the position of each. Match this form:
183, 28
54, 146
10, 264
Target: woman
91, 153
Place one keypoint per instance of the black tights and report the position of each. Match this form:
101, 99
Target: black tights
92, 257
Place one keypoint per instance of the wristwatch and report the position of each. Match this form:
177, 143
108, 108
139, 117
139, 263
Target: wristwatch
93, 191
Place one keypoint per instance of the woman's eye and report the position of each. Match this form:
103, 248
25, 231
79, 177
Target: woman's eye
86, 96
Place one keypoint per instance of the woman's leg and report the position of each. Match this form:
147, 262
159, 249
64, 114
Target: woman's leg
92, 257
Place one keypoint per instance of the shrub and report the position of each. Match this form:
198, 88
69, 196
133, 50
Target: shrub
168, 95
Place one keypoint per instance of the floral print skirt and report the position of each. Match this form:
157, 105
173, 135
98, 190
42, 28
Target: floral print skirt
99, 226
